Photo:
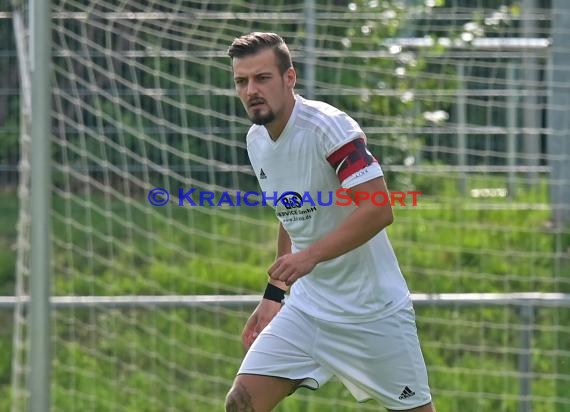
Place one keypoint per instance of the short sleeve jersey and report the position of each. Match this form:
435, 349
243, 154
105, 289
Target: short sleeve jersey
320, 152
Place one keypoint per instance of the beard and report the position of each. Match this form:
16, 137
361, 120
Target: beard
262, 118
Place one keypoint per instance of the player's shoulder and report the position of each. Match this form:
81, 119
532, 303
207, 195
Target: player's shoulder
332, 125
317, 111
321, 116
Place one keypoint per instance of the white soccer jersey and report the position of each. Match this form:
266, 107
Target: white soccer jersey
297, 177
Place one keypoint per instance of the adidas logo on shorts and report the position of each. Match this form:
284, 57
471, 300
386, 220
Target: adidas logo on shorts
406, 393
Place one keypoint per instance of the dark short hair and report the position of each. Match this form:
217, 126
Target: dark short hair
255, 42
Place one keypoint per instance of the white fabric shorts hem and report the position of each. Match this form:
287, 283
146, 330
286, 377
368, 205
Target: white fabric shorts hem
379, 360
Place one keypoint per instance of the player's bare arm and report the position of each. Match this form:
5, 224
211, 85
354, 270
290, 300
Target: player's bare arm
267, 309
283, 249
360, 226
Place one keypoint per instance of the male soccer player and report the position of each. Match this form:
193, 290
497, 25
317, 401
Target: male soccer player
349, 312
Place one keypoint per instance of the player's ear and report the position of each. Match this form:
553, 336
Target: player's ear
291, 77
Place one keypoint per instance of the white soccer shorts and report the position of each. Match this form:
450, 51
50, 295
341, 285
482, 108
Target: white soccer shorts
379, 360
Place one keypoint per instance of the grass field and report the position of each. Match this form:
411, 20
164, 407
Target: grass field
187, 358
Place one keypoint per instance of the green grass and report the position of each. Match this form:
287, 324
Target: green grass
187, 358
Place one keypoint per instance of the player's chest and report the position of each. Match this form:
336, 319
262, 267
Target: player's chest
291, 168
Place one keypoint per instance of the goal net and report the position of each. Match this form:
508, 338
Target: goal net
455, 99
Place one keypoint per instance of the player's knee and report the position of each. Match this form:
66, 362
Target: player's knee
238, 400
231, 401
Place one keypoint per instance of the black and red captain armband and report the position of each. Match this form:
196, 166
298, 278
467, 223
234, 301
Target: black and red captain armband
350, 158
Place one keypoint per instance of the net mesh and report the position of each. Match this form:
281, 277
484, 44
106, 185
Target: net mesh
452, 96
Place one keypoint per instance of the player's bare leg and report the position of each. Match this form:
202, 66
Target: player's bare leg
256, 393
426, 408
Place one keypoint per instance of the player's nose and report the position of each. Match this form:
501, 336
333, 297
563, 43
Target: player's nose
252, 89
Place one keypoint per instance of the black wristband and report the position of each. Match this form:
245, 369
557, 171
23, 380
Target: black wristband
274, 293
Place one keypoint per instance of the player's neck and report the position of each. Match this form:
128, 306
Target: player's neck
276, 127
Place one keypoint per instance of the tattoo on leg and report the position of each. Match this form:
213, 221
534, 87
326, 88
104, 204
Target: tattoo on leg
239, 400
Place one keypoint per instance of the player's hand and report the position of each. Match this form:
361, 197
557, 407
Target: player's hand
259, 319
290, 267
